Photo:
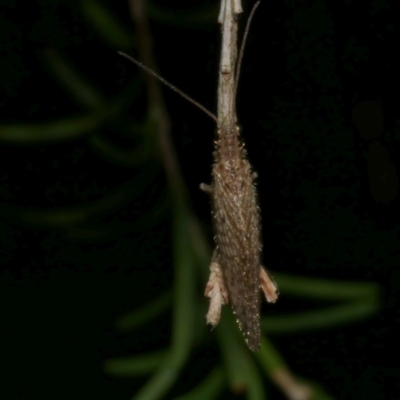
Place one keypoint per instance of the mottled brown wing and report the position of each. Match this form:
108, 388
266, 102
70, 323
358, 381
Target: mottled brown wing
236, 220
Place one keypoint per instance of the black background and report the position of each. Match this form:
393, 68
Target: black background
307, 63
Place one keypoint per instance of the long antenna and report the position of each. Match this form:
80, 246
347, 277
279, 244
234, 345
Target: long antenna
242, 46
170, 85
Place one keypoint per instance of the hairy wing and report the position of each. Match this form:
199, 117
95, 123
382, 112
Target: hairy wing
236, 220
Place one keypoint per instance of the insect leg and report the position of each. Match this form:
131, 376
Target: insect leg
216, 291
268, 286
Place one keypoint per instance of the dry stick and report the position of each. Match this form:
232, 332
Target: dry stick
236, 273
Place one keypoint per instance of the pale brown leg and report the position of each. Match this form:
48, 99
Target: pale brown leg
216, 291
215, 288
268, 286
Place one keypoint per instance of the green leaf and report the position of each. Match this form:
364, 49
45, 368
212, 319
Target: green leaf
106, 25
269, 357
183, 306
78, 86
209, 389
279, 373
242, 373
63, 129
326, 289
66, 217
145, 314
320, 319
134, 366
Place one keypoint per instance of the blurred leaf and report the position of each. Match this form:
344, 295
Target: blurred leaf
70, 216
278, 372
125, 157
324, 318
134, 366
182, 326
325, 289
269, 357
319, 394
106, 25
243, 375
160, 382
184, 285
68, 128
145, 314
321, 319
78, 86
233, 353
255, 390
209, 389
110, 231
88, 96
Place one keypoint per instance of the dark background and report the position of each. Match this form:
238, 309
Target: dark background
306, 65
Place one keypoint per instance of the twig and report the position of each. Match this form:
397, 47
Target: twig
293, 388
230, 9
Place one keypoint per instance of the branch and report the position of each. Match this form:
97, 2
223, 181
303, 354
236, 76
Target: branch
230, 9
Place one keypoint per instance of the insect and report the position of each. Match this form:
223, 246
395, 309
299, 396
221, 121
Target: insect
236, 271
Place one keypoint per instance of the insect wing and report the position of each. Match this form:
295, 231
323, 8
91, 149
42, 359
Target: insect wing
238, 243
